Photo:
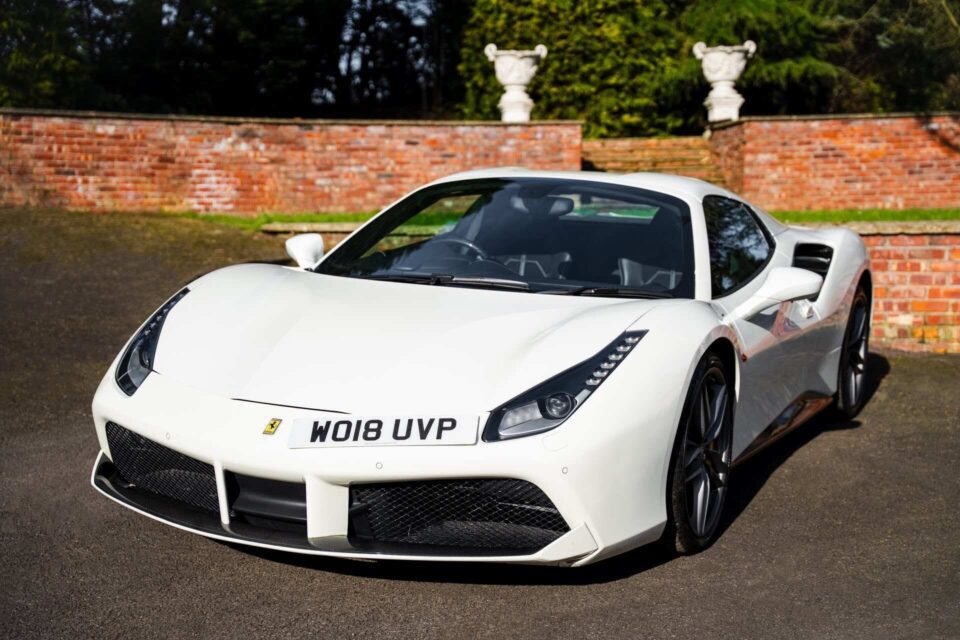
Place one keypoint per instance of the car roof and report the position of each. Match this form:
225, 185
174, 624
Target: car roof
685, 188
663, 182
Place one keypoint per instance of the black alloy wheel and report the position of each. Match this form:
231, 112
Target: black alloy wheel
853, 357
700, 474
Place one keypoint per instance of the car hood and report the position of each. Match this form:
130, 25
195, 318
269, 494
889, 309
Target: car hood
278, 335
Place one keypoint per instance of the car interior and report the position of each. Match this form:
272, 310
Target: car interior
559, 234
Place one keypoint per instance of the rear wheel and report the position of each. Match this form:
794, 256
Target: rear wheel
700, 472
853, 357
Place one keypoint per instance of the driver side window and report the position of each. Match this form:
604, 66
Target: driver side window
739, 247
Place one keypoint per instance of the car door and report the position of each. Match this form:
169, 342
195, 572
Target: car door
742, 251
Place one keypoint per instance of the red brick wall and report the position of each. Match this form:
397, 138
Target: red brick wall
728, 146
691, 156
855, 162
101, 161
118, 162
916, 285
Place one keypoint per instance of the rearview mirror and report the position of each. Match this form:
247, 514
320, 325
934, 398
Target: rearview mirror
306, 249
782, 284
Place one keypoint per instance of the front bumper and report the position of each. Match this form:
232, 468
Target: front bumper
607, 484
565, 550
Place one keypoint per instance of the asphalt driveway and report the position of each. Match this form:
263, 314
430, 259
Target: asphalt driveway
841, 530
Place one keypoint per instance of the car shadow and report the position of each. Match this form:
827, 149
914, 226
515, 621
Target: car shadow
751, 476
622, 566
753, 473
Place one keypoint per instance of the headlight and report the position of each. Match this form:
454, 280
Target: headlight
137, 360
547, 405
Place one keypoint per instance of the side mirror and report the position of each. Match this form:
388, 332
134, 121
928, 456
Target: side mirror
782, 284
306, 249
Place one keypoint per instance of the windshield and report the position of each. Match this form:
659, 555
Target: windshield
531, 234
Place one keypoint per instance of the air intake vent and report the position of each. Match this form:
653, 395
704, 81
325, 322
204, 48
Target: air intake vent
813, 257
511, 516
150, 466
269, 504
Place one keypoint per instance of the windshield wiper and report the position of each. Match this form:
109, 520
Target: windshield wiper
618, 292
449, 279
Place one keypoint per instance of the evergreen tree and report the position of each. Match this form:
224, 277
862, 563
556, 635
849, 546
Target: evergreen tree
623, 66
626, 67
40, 63
794, 70
901, 56
607, 61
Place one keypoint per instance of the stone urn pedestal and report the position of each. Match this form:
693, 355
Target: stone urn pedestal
515, 70
722, 67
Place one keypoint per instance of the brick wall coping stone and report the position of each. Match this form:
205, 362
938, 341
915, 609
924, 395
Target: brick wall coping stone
310, 227
887, 228
837, 116
107, 115
920, 227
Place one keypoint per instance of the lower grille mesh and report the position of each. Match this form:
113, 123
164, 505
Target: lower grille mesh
512, 515
145, 464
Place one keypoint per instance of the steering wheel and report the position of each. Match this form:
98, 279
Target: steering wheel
463, 242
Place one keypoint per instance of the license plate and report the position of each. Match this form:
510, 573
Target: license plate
359, 431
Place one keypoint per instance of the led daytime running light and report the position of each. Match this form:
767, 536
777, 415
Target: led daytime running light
613, 359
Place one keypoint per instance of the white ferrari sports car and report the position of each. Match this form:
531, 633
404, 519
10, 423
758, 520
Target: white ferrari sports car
504, 365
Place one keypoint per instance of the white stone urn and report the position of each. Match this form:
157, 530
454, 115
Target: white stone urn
722, 67
515, 70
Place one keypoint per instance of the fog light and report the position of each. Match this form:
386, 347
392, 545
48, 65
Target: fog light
558, 405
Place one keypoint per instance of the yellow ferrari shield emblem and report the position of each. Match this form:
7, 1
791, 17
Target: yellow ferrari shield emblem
272, 427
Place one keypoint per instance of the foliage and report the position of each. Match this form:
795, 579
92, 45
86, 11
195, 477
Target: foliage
792, 71
255, 223
334, 58
37, 59
606, 61
623, 66
903, 56
626, 68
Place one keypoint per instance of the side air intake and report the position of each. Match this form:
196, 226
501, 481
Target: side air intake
813, 257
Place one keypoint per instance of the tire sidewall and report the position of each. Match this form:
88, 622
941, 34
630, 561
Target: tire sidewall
850, 412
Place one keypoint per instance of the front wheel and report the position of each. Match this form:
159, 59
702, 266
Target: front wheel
700, 473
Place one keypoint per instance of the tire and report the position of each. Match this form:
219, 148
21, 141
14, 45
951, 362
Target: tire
700, 465
852, 372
